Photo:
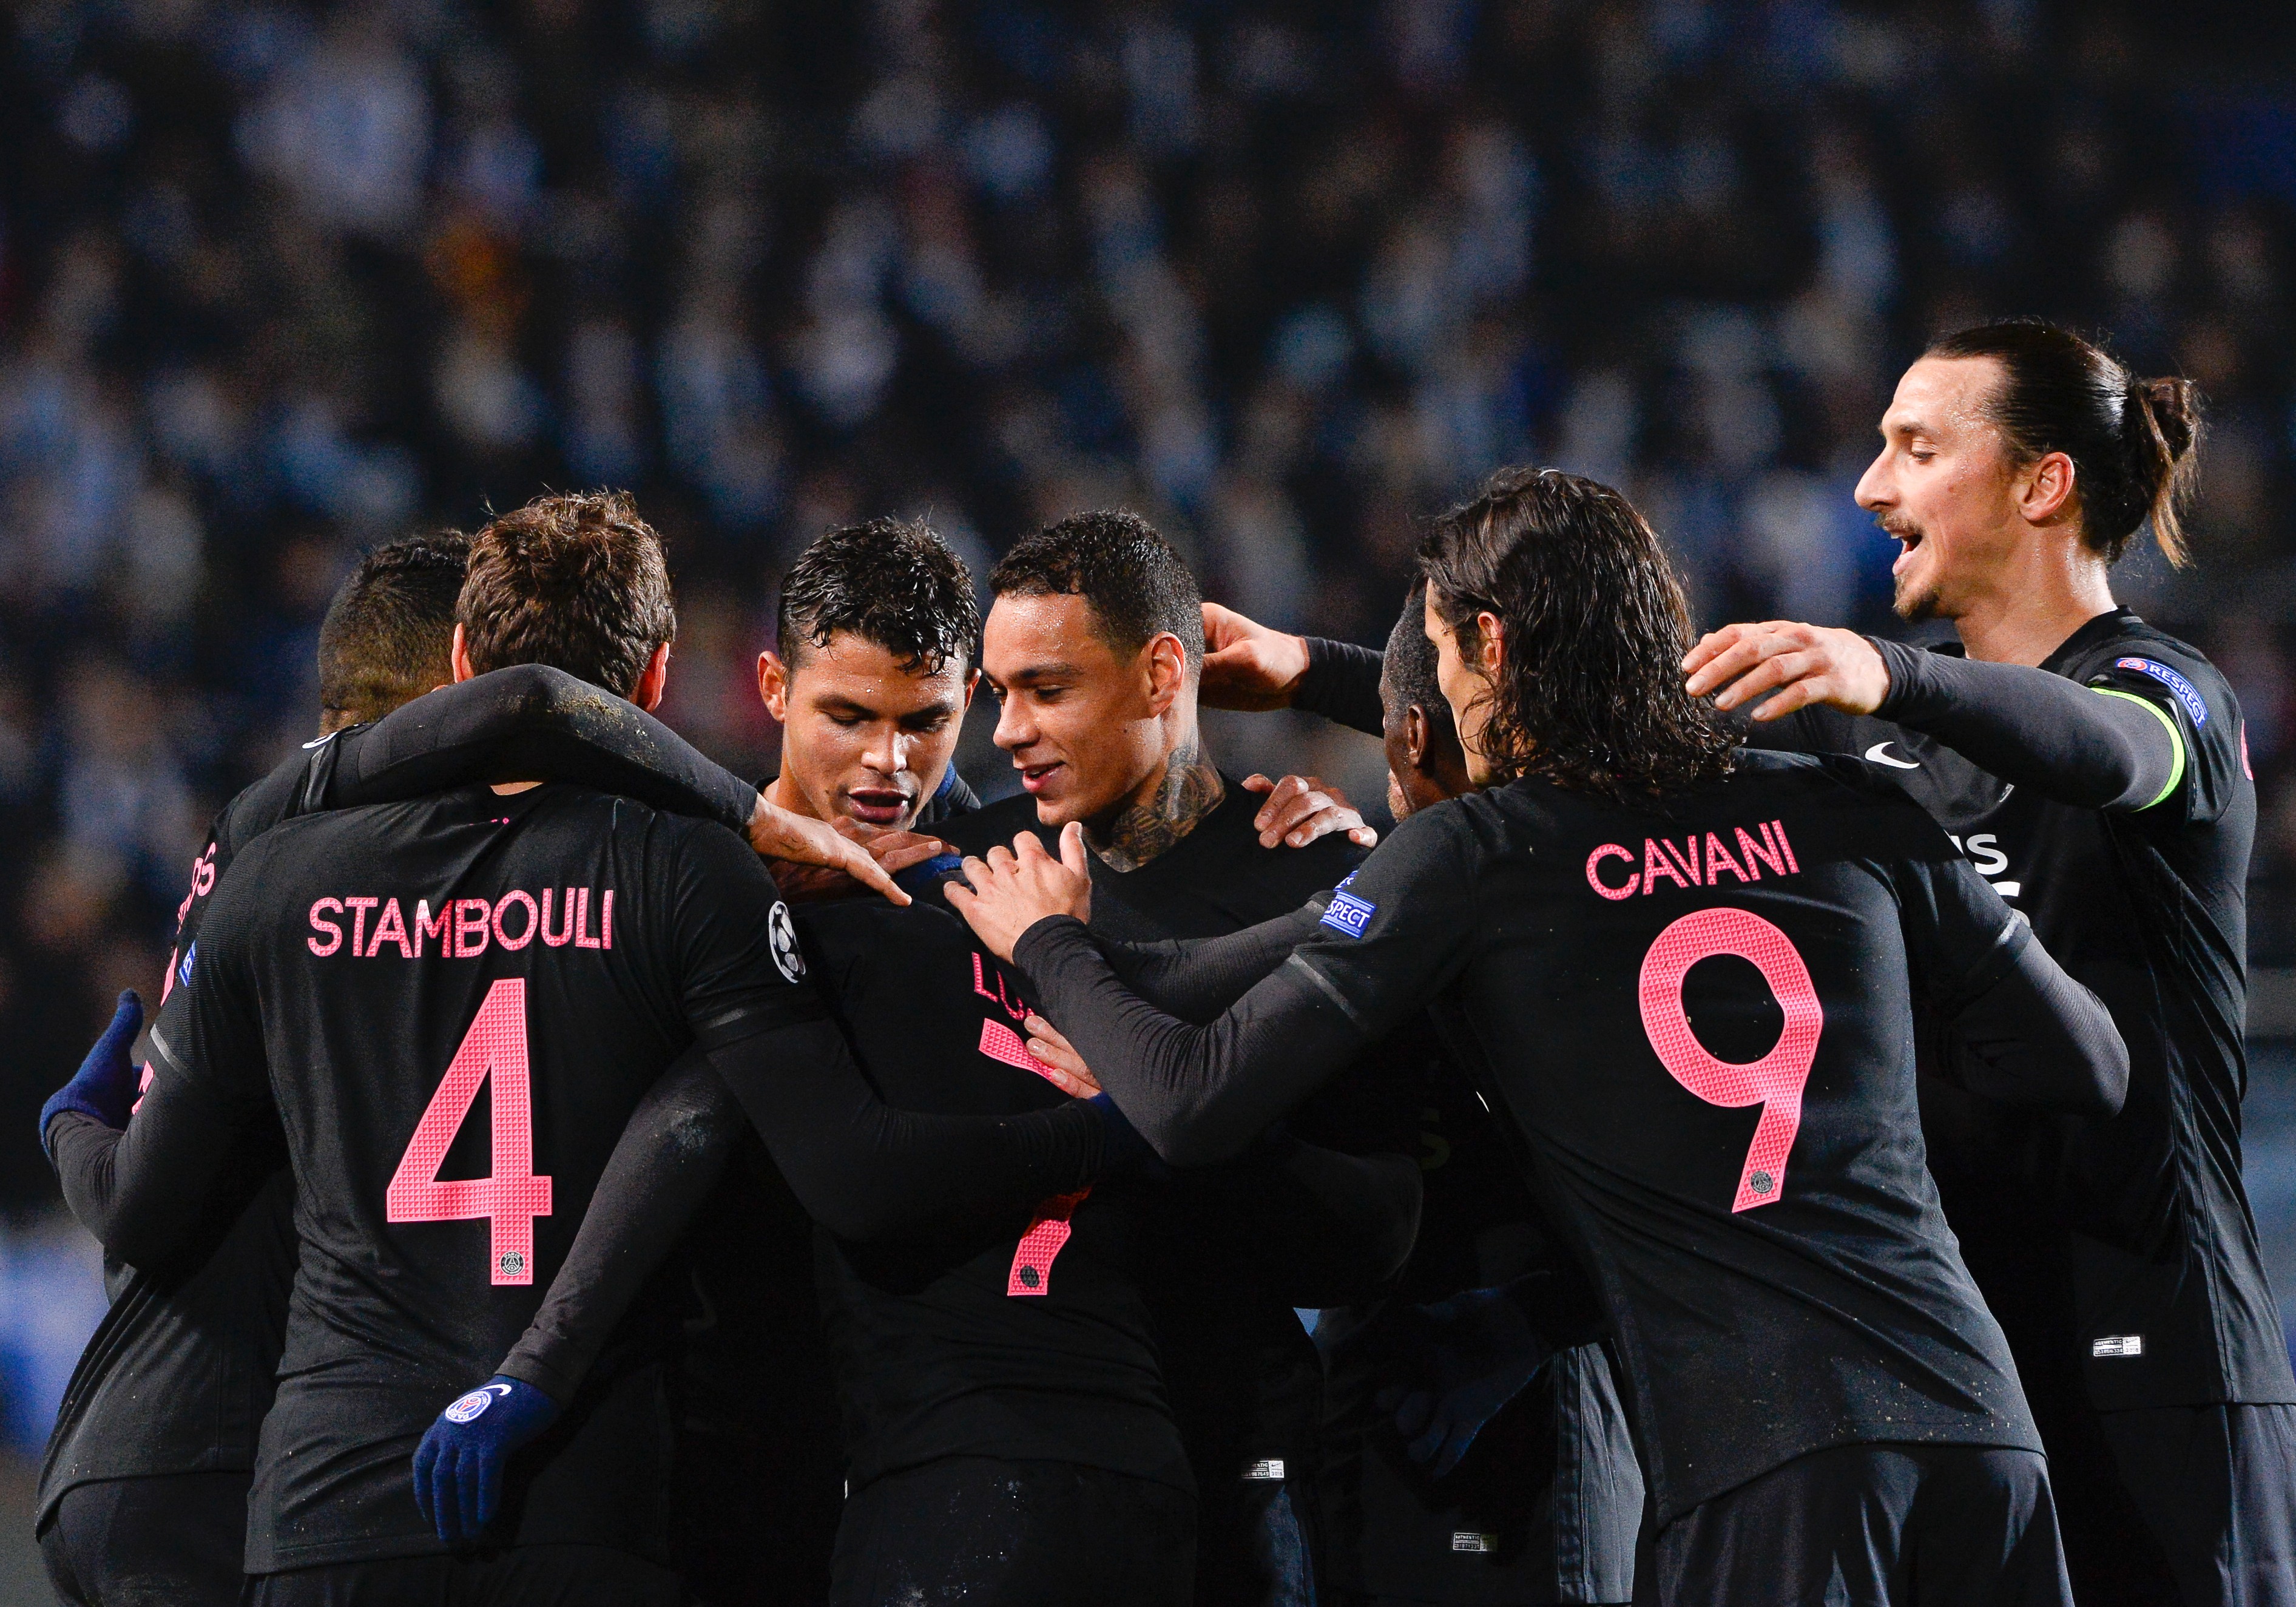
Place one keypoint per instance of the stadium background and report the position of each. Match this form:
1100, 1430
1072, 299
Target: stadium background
278, 282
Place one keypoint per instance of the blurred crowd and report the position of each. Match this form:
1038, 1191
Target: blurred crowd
279, 280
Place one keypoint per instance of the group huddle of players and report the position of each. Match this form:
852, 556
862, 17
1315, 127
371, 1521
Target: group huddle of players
1763, 1128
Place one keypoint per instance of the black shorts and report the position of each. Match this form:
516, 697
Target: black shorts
525, 1575
2215, 1490
175, 1537
751, 1523
1876, 1525
991, 1533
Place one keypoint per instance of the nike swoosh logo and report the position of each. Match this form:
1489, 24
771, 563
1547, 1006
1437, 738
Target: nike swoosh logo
1879, 755
499, 1389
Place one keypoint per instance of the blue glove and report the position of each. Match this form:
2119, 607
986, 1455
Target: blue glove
1466, 1358
458, 1467
105, 1086
919, 880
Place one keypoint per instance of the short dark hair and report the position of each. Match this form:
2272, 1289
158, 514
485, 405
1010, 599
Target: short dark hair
1591, 695
575, 580
1406, 672
389, 633
1138, 586
2132, 441
894, 582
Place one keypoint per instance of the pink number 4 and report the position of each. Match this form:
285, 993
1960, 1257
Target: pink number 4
1041, 1245
1774, 1082
492, 1051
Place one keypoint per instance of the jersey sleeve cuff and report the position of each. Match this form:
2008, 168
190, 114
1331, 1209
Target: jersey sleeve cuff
1046, 940
743, 1022
532, 1369
2176, 740
1342, 683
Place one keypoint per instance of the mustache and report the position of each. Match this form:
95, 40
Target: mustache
1897, 526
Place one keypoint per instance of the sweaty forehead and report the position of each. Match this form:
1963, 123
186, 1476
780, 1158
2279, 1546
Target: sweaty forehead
1032, 634
855, 669
1942, 395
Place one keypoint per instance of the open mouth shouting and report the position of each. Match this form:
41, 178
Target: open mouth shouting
1908, 537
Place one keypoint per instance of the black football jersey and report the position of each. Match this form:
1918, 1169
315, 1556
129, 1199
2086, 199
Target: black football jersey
454, 1004
1241, 1419
1700, 1018
1023, 1338
2121, 1254
179, 1373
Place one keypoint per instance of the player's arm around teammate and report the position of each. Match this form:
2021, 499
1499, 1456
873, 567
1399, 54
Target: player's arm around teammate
1197, 1093
2099, 747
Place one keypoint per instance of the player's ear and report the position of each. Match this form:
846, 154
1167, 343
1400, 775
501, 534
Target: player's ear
772, 685
1168, 671
653, 680
460, 657
1416, 731
2045, 488
1491, 644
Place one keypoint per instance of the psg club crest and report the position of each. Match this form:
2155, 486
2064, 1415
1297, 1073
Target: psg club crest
477, 1401
781, 934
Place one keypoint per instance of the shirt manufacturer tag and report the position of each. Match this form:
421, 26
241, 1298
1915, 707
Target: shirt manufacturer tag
1467, 1539
2118, 1344
2186, 693
1349, 914
1263, 1471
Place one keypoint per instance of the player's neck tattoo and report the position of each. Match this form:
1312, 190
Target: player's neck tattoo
1189, 790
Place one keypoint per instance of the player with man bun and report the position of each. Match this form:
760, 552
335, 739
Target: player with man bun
2094, 769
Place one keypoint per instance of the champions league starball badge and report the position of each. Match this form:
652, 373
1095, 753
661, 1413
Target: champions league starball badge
781, 934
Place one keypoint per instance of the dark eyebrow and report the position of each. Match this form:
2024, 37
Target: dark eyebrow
844, 705
1043, 672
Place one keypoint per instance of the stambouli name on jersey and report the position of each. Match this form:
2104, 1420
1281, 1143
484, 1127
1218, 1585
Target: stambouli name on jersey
462, 928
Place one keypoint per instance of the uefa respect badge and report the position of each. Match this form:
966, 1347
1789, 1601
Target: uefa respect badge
1350, 914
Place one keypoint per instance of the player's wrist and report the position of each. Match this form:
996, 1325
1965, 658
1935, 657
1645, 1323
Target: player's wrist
1289, 659
1044, 929
1898, 667
1868, 678
555, 1384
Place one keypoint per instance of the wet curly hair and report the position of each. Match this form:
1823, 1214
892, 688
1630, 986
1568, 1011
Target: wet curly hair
894, 582
1589, 693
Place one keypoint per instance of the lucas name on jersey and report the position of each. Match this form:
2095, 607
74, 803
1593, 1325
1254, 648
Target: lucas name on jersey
462, 929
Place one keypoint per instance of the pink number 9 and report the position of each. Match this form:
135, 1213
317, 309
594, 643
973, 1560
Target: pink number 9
1774, 1082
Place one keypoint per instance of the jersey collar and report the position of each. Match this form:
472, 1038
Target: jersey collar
2106, 626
